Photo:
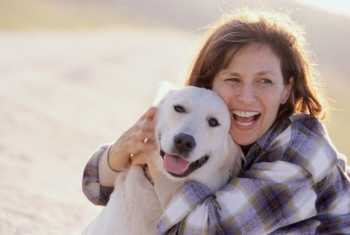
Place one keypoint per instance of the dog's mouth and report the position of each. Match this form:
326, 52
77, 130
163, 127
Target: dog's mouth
177, 166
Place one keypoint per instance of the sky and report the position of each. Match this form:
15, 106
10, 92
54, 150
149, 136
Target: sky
337, 6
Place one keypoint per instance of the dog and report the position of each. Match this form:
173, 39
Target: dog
192, 133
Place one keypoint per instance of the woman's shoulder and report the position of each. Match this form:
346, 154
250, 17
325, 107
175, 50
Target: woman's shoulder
310, 146
308, 124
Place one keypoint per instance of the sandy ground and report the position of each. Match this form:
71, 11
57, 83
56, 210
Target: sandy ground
61, 96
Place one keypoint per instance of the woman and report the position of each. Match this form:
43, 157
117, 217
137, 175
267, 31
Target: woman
292, 179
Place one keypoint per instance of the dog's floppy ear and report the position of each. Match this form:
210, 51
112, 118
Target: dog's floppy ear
234, 152
163, 98
163, 90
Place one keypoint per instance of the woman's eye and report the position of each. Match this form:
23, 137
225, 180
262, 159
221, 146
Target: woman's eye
213, 122
232, 80
266, 81
179, 109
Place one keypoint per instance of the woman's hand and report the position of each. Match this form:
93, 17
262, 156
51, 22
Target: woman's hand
135, 144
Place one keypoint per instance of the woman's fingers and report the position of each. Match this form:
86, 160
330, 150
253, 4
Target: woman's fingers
149, 114
146, 126
138, 141
142, 157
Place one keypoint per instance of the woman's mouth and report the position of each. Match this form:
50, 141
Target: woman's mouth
245, 119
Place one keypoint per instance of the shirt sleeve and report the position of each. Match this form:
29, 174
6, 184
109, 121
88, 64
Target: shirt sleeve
91, 184
276, 193
267, 197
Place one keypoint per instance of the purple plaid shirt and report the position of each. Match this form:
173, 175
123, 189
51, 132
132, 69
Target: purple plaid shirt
292, 182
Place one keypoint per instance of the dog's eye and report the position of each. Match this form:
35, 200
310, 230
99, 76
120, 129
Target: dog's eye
179, 109
213, 122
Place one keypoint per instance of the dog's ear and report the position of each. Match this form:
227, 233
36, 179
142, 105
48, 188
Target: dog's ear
163, 90
164, 96
160, 104
234, 155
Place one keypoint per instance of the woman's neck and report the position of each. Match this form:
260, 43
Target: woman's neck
245, 148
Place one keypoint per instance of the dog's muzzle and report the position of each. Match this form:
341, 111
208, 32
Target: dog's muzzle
170, 161
184, 144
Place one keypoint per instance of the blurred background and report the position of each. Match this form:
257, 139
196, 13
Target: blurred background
75, 74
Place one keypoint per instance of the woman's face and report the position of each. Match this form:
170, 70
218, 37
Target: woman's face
252, 87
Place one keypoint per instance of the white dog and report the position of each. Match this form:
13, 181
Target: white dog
192, 131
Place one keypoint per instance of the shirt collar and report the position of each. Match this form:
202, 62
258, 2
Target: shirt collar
262, 144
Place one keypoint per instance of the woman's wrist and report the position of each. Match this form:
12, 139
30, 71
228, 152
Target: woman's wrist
106, 173
115, 161
109, 160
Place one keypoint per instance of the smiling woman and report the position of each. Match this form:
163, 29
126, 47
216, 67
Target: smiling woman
292, 181
252, 86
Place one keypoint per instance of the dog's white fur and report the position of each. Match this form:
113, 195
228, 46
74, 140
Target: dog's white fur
135, 205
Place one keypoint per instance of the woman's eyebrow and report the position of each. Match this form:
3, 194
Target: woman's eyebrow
265, 72
260, 73
233, 74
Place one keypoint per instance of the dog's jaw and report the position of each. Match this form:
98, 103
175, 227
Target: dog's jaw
192, 167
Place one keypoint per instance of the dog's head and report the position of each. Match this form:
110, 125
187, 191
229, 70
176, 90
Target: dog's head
193, 135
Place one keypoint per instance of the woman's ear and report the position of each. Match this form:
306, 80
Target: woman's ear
288, 89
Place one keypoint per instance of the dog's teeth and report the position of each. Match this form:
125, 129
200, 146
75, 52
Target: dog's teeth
245, 114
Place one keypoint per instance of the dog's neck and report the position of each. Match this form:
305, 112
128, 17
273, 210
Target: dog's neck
163, 186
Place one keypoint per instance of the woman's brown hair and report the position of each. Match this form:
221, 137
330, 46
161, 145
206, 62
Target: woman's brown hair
284, 39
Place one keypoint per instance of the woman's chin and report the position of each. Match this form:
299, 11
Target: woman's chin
244, 135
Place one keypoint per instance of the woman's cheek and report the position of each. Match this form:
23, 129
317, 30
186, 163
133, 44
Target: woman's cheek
225, 93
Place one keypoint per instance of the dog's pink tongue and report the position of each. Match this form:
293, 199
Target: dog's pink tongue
175, 165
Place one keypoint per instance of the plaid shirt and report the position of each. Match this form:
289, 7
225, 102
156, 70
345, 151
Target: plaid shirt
292, 182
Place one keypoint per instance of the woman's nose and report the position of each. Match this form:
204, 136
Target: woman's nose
246, 94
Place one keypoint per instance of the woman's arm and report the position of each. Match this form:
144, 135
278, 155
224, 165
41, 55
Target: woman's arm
268, 197
103, 167
98, 178
283, 191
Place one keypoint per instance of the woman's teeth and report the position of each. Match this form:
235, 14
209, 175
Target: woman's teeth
243, 118
245, 114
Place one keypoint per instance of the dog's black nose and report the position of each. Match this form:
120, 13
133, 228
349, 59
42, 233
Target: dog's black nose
184, 143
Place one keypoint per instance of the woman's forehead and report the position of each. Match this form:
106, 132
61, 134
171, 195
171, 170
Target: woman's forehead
257, 58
